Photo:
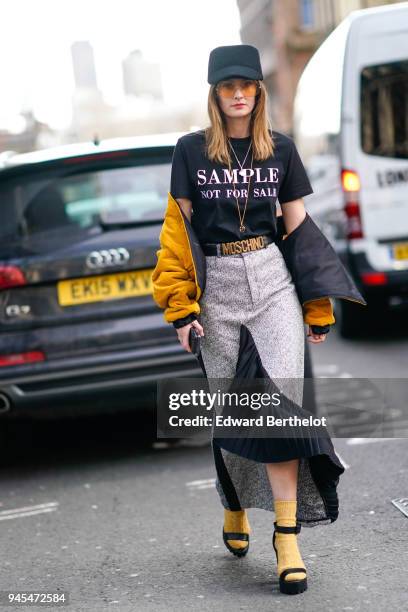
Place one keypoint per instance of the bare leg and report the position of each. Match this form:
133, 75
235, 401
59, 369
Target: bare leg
283, 478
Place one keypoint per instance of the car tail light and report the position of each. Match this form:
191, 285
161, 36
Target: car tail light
350, 182
374, 278
10, 276
19, 358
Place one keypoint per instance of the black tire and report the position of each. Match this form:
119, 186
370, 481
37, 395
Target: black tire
348, 319
354, 320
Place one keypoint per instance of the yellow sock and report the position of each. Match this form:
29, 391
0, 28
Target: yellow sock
236, 521
286, 543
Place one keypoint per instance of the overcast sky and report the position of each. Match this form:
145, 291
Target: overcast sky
36, 69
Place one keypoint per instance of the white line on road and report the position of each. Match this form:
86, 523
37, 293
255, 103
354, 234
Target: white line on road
328, 368
28, 511
355, 441
23, 514
199, 483
346, 465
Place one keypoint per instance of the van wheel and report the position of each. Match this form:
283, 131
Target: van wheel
356, 321
352, 320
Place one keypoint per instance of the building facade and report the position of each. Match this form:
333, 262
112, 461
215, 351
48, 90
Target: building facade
287, 33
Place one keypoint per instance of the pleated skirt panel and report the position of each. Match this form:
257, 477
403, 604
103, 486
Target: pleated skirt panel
252, 296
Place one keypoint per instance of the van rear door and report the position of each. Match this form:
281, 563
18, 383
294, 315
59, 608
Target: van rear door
381, 136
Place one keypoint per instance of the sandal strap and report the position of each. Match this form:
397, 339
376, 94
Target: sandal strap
282, 529
291, 570
231, 535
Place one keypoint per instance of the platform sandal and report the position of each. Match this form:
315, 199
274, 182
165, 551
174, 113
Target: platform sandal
290, 587
231, 535
236, 527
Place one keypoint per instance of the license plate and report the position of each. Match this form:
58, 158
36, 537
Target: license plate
105, 287
400, 250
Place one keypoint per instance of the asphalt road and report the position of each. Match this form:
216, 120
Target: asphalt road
92, 508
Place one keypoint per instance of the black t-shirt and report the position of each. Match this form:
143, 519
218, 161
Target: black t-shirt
209, 186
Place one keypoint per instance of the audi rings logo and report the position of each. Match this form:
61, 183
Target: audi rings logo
107, 258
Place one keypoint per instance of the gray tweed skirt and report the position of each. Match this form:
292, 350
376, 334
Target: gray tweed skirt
256, 289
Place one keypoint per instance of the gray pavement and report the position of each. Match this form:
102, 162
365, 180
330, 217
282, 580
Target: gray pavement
90, 507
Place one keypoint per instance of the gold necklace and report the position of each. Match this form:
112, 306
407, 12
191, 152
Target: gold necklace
241, 218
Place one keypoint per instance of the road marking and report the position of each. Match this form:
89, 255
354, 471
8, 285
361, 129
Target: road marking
28, 511
355, 441
328, 368
401, 504
346, 465
197, 485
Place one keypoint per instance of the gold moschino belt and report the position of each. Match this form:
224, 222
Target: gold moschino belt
237, 246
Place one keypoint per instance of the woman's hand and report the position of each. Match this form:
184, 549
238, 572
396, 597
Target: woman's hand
315, 338
183, 333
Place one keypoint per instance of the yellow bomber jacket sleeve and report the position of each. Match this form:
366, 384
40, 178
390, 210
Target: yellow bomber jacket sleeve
175, 288
174, 278
318, 312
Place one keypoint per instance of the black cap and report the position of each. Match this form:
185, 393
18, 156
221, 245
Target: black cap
234, 61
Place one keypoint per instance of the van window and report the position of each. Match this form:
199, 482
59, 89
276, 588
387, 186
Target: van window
384, 109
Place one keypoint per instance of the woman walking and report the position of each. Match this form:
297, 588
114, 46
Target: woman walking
221, 231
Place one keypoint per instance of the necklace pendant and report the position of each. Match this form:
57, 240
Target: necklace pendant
242, 173
242, 228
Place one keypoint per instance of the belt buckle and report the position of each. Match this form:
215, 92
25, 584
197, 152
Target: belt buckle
258, 248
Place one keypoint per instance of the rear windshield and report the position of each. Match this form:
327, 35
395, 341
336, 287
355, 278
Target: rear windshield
384, 109
39, 209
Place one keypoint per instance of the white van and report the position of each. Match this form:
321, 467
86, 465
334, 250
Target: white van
351, 129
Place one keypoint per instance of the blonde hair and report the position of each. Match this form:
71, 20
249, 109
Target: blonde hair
216, 134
